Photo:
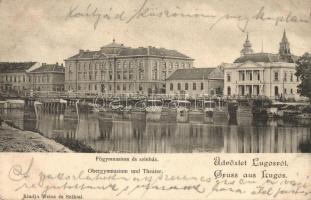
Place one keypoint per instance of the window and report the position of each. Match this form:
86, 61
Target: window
130, 75
291, 91
102, 75
202, 86
124, 87
110, 75
165, 66
170, 65
154, 73
285, 76
176, 65
118, 87
194, 86
171, 86
229, 91
95, 87
141, 71
276, 76
163, 75
118, 75
125, 65
228, 77
186, 86
178, 86
124, 75
118, 65
291, 77
131, 65
242, 75
285, 91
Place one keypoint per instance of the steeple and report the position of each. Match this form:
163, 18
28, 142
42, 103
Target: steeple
284, 45
247, 47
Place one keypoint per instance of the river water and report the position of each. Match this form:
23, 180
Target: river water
141, 133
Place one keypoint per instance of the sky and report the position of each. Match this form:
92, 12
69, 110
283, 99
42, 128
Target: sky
210, 31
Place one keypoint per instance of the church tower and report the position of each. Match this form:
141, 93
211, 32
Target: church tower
247, 47
284, 45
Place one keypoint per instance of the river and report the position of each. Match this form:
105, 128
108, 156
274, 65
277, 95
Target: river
140, 133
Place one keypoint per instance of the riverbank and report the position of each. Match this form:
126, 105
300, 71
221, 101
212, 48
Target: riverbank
16, 140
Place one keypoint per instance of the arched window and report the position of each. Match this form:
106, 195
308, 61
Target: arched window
178, 86
276, 91
171, 86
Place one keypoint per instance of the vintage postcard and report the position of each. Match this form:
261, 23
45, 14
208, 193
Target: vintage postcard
155, 99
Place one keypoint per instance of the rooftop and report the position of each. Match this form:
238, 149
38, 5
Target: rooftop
49, 68
14, 67
196, 74
115, 49
266, 57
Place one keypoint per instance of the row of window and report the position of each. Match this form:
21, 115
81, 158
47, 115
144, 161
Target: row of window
186, 86
287, 77
103, 88
276, 91
40, 79
128, 65
255, 75
13, 78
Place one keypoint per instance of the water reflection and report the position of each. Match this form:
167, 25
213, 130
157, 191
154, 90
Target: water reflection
138, 133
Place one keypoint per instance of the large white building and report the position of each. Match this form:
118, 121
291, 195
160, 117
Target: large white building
262, 74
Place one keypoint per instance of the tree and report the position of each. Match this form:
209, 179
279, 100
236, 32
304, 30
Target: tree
303, 71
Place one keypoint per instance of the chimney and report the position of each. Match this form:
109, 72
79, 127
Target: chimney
62, 65
56, 63
81, 51
43, 64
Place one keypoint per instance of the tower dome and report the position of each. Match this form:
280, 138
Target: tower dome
247, 47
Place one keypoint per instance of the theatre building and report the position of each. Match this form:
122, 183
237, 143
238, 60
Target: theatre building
117, 69
262, 74
196, 82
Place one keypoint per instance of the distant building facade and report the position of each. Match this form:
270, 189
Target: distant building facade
117, 69
14, 76
196, 82
265, 74
48, 77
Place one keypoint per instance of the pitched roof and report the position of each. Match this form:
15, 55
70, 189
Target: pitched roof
120, 50
266, 57
196, 74
49, 68
14, 67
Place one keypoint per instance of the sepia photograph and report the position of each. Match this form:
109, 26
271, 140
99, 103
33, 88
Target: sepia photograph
214, 76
